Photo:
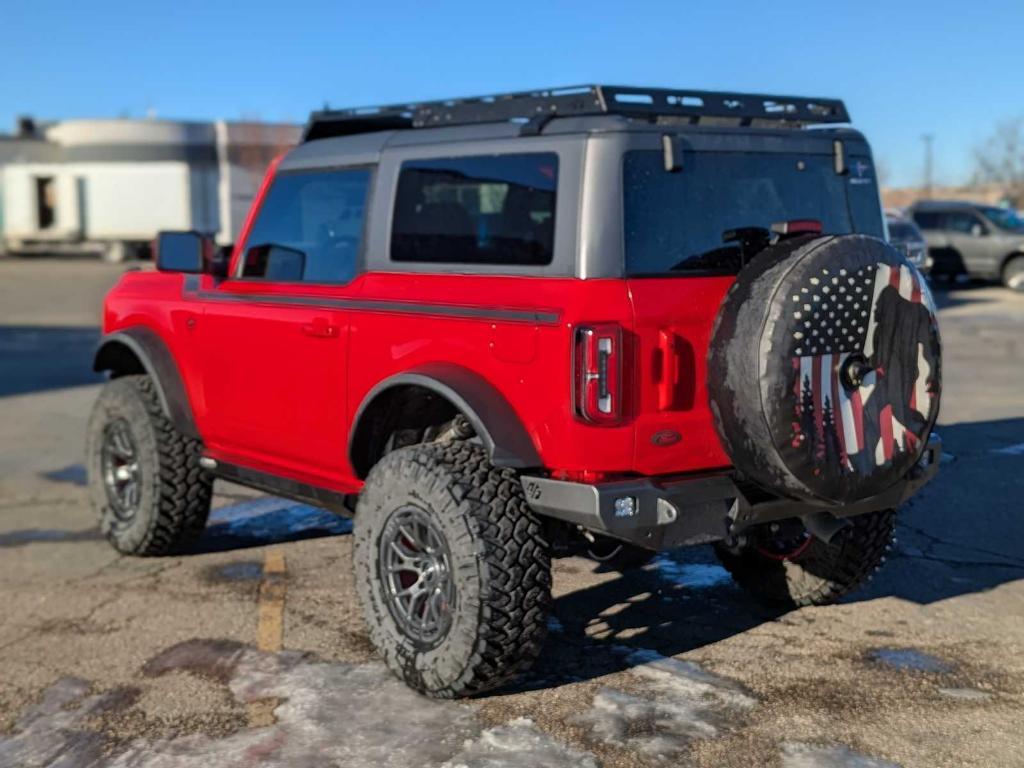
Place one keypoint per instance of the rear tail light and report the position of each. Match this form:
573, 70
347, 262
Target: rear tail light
597, 367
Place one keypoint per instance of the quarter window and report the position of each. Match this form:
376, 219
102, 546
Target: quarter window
309, 227
495, 209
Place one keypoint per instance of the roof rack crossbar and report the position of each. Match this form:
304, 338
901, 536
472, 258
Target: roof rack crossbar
534, 108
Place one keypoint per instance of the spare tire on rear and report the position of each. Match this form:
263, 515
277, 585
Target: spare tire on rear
824, 368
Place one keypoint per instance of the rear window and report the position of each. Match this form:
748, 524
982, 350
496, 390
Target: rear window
903, 230
929, 219
678, 222
494, 209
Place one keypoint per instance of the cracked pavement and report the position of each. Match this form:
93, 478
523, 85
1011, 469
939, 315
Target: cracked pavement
130, 662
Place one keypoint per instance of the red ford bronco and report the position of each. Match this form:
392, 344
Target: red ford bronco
594, 320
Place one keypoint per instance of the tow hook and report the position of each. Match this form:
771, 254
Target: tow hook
824, 525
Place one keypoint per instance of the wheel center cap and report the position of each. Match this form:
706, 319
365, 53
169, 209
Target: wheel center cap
853, 370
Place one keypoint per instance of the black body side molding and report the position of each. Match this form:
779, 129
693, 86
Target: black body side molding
141, 350
490, 414
305, 493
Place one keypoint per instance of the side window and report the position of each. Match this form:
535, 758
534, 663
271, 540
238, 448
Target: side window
962, 221
309, 228
494, 209
929, 219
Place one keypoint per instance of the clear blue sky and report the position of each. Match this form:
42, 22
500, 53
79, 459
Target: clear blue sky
904, 68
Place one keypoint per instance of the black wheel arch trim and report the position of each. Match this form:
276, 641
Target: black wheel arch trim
488, 411
158, 362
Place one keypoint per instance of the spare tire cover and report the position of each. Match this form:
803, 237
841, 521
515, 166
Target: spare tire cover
824, 368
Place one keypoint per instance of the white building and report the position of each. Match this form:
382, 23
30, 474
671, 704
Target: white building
109, 186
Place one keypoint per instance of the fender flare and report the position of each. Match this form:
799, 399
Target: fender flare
157, 361
493, 419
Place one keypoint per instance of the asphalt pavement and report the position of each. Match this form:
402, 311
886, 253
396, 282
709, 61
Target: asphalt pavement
250, 651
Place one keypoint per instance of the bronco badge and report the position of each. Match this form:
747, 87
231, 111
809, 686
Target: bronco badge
665, 438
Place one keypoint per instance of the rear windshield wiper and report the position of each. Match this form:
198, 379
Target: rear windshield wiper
746, 242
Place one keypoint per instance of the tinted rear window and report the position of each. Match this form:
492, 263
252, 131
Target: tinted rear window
495, 209
903, 230
676, 222
929, 219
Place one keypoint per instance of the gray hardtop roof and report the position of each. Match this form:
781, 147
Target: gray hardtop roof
366, 148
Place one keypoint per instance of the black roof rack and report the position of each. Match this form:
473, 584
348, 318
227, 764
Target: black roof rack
534, 108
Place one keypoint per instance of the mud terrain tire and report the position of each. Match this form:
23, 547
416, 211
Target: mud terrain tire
172, 496
821, 573
496, 556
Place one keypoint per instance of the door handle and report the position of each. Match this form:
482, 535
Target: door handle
320, 328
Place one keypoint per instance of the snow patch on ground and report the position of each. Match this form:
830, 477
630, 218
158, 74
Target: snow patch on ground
358, 716
352, 715
965, 694
53, 732
1010, 450
795, 755
691, 575
679, 701
909, 658
519, 744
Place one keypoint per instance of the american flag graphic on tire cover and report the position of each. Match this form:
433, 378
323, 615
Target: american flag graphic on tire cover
876, 311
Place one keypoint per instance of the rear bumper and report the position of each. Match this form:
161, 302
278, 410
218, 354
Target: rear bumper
676, 512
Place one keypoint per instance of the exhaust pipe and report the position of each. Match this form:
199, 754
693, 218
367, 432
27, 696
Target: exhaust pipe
824, 525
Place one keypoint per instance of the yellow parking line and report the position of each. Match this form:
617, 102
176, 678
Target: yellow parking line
269, 627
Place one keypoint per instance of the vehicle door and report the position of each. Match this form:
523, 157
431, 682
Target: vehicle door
274, 334
970, 236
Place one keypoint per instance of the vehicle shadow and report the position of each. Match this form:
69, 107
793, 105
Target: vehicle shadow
594, 630
963, 534
36, 358
949, 294
260, 521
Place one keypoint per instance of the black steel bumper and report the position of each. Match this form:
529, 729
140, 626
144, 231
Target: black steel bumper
675, 512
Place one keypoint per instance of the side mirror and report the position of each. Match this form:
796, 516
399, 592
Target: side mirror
183, 252
276, 263
220, 261
977, 230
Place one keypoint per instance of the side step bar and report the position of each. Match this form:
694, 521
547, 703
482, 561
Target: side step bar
333, 501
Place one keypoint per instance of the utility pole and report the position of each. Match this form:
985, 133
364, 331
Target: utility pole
929, 180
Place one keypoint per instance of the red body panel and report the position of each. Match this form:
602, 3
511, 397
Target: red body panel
275, 385
673, 319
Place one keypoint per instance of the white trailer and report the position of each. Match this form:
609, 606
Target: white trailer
108, 186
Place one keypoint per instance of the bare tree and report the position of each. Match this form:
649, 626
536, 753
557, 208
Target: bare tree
1000, 159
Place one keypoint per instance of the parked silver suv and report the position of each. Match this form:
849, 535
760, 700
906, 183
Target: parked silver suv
981, 241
